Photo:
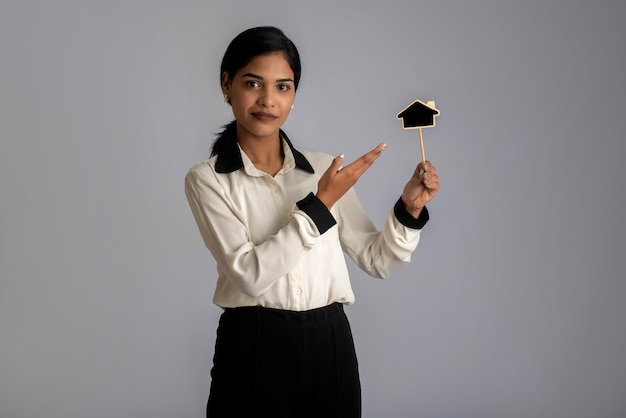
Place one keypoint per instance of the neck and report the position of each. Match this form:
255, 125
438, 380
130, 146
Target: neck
265, 153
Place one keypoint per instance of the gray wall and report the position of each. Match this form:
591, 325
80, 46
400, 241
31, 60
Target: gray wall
513, 305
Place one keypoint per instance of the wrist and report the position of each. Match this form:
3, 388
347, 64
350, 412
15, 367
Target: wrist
413, 210
324, 200
415, 220
317, 211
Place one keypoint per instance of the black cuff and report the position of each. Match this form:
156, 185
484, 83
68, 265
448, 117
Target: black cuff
313, 206
407, 219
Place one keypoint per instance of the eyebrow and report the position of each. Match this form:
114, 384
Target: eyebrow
258, 77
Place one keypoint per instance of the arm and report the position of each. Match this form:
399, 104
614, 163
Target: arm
381, 253
253, 268
377, 252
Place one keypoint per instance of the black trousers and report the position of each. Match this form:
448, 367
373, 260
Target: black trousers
279, 364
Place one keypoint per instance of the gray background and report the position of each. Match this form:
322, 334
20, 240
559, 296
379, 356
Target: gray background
514, 303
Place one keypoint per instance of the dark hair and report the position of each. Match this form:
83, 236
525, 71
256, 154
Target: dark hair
244, 48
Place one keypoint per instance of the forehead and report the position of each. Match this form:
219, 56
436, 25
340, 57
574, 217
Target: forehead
271, 66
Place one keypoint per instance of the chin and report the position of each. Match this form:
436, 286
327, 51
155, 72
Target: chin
265, 131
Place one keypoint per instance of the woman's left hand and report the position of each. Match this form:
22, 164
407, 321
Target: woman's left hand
421, 188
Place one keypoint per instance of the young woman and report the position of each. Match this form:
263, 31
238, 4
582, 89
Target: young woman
278, 221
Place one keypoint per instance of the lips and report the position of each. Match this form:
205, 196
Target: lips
264, 116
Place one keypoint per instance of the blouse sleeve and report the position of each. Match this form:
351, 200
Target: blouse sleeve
378, 253
253, 268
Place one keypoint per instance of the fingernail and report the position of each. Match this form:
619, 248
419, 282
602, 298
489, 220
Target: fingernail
426, 175
384, 146
426, 167
421, 173
342, 156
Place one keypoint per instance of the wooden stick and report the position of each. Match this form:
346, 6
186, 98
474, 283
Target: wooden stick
422, 145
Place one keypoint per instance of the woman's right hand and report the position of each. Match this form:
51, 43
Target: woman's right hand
337, 180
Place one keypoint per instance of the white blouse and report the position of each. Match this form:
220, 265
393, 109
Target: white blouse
275, 243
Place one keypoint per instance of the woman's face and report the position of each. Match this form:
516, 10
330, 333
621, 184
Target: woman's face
261, 95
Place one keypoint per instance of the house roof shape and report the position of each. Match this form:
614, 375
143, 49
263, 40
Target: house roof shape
418, 115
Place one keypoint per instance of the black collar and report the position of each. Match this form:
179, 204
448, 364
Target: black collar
229, 159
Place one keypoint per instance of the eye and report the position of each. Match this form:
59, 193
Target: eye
283, 87
253, 84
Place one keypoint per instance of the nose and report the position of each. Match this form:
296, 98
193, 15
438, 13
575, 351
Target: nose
266, 98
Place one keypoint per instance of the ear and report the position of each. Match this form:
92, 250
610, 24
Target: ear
226, 83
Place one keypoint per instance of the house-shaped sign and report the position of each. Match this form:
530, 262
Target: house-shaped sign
418, 115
